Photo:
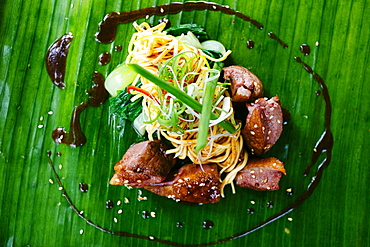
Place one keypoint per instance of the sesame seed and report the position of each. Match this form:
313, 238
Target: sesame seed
253, 133
41, 118
50, 112
118, 202
252, 171
126, 200
60, 188
268, 188
180, 180
138, 181
278, 121
151, 238
253, 202
81, 212
315, 150
214, 7
268, 138
289, 190
253, 176
72, 5
60, 166
115, 220
40, 126
287, 230
152, 214
147, 17
161, 10
140, 198
51, 181
272, 116
81, 231
263, 128
255, 126
290, 219
317, 43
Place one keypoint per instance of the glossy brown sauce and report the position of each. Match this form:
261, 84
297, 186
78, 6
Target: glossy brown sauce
305, 49
104, 58
108, 27
106, 34
83, 187
75, 136
250, 44
56, 59
273, 36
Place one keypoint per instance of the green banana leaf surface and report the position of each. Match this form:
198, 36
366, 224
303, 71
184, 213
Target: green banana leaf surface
33, 210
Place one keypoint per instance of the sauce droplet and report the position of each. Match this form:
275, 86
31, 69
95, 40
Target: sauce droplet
109, 204
118, 48
207, 224
83, 187
250, 44
56, 59
104, 58
305, 49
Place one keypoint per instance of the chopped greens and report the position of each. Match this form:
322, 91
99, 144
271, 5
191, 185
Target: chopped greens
123, 107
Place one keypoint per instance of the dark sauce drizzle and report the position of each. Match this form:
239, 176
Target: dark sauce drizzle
108, 27
106, 34
273, 36
56, 59
75, 137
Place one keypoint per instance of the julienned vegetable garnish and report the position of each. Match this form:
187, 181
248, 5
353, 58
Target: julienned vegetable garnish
176, 79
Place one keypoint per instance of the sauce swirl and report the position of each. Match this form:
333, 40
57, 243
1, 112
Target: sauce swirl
106, 34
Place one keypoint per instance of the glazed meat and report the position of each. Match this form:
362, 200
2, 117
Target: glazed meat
245, 85
261, 174
264, 125
143, 164
192, 183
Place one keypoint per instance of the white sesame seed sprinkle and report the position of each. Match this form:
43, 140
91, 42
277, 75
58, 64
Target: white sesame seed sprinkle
253, 202
120, 211
60, 188
152, 214
115, 220
151, 238
317, 43
51, 181
81, 231
118, 202
50, 112
253, 133
40, 126
41, 118
60, 166
126, 200
290, 219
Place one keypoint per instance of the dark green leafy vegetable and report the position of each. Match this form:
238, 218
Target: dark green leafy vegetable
123, 107
197, 30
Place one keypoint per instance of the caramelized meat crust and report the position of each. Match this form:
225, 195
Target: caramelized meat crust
261, 174
143, 164
192, 183
245, 85
264, 125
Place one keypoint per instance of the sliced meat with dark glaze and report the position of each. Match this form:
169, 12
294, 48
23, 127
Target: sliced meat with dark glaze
143, 164
264, 125
245, 85
261, 174
192, 183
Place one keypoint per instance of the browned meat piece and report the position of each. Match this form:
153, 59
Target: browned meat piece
261, 174
143, 164
244, 84
264, 125
192, 183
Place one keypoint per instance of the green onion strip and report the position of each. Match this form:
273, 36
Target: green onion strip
189, 101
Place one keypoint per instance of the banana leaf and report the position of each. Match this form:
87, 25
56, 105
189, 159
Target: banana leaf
33, 210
